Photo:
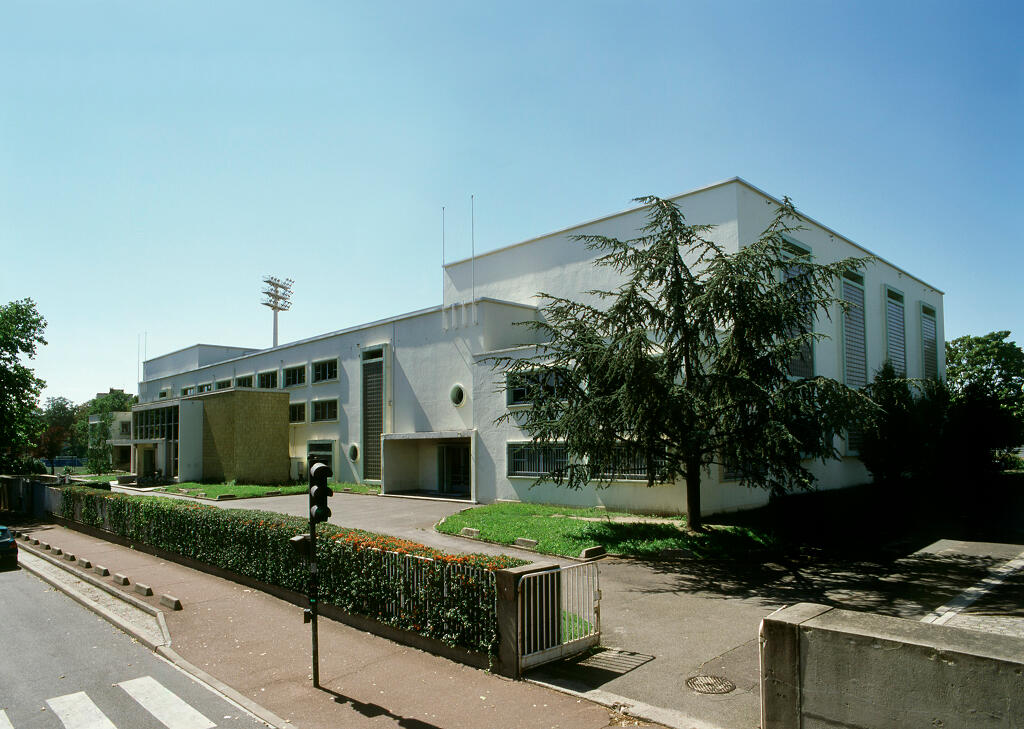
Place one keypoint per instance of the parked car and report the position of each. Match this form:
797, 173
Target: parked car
8, 548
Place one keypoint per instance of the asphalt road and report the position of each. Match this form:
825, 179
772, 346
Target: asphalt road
62, 666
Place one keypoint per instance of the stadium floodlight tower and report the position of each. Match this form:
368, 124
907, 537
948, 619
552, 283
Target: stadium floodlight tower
279, 297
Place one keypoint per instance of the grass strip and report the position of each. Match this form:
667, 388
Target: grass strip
558, 533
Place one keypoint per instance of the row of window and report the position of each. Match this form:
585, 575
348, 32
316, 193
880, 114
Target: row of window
322, 411
536, 459
322, 371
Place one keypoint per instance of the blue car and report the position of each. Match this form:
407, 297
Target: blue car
8, 548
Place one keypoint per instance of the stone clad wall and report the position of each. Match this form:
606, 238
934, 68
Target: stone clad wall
823, 668
245, 436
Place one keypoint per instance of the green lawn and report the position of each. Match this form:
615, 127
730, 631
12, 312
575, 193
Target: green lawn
556, 533
105, 478
242, 491
245, 491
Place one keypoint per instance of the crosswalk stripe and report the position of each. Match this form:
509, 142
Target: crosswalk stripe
166, 706
77, 711
5, 723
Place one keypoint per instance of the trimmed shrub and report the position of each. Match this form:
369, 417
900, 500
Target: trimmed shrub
442, 596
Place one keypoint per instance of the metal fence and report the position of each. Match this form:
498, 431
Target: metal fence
421, 590
559, 614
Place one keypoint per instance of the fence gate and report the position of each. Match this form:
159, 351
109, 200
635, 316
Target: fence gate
559, 614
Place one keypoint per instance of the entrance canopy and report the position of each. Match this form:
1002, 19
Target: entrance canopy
437, 464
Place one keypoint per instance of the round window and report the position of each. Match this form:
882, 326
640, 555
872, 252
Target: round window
457, 395
353, 452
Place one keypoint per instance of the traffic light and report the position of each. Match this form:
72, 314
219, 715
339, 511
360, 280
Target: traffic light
318, 493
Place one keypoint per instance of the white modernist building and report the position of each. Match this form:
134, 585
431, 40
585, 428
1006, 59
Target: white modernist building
411, 402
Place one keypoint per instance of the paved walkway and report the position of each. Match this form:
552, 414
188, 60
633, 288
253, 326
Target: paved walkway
670, 620
258, 646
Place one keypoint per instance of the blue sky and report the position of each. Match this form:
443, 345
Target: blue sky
157, 159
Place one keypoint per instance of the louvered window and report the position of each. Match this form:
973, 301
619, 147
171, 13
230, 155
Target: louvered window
855, 356
855, 359
895, 331
929, 343
802, 363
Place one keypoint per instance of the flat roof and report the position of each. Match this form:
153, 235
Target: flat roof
705, 188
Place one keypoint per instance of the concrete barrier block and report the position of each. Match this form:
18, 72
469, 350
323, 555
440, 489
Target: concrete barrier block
592, 553
44, 545
143, 589
35, 541
225, 497
58, 551
120, 579
170, 601
470, 532
527, 543
69, 557
101, 570
85, 563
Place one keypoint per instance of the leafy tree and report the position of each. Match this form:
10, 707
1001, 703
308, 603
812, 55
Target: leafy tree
99, 448
21, 331
58, 417
114, 401
990, 364
688, 362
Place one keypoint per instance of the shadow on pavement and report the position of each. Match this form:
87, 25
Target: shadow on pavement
371, 711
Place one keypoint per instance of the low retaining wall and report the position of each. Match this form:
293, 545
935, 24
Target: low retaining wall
823, 668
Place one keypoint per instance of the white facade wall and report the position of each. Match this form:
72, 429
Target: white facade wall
429, 352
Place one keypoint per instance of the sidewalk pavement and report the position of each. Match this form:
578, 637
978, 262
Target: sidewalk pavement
258, 646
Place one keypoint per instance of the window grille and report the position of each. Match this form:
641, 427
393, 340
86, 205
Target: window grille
294, 376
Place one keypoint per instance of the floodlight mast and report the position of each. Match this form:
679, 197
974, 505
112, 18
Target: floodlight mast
279, 297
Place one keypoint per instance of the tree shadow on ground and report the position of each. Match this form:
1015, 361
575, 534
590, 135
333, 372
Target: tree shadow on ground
859, 548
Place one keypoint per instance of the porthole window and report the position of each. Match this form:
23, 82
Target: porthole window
353, 452
457, 395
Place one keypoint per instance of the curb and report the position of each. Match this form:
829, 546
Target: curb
163, 649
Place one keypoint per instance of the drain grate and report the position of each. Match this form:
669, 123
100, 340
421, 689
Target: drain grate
710, 684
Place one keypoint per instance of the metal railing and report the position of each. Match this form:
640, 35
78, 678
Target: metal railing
559, 614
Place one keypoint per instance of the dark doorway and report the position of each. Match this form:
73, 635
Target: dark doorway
453, 469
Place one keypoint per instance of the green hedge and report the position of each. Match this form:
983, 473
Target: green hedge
450, 598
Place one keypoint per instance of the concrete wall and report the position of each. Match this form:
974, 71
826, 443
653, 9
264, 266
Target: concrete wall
824, 668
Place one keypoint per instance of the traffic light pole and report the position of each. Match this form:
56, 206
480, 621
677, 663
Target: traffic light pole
319, 511
314, 599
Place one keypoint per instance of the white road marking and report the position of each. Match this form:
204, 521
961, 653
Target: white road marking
5, 723
167, 707
77, 711
996, 577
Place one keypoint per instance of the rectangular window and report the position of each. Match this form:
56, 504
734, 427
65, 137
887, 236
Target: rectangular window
373, 412
294, 376
186, 391
126, 428
325, 410
929, 343
267, 380
297, 412
523, 387
536, 459
895, 331
627, 464
205, 387
164, 393
326, 370
223, 384
243, 381
802, 363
